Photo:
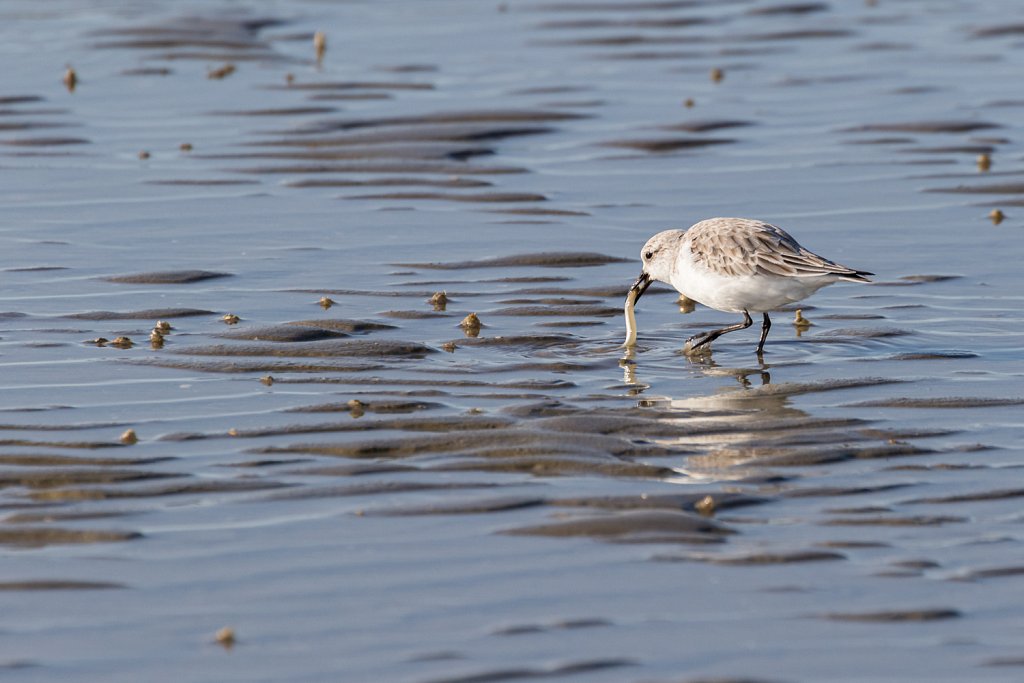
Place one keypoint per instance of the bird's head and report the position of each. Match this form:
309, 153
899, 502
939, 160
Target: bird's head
658, 257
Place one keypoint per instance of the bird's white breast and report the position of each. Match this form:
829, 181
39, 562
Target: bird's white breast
735, 293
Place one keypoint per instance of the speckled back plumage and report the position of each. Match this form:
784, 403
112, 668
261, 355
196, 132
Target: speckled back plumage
742, 246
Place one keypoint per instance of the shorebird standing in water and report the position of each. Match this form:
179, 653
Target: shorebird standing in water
737, 265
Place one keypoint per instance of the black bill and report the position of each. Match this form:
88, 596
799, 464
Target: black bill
640, 286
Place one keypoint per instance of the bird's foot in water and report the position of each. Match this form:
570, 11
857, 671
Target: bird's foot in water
697, 346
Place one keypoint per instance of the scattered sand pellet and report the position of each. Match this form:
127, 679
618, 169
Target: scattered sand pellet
320, 45
225, 637
221, 72
471, 325
439, 301
70, 79
705, 506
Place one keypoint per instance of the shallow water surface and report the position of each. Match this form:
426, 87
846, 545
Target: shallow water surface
320, 455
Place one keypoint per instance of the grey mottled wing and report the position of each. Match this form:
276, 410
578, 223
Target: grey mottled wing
739, 246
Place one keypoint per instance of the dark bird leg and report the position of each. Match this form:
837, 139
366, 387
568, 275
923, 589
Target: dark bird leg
765, 326
700, 340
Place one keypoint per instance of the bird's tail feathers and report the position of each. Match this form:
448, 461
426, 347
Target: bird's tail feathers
857, 276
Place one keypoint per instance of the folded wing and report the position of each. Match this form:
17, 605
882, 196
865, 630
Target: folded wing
740, 246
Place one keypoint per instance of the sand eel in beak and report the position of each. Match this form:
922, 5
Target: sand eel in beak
736, 265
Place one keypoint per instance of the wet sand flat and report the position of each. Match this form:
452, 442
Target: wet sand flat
312, 367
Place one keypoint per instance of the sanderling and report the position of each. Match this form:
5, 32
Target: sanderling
737, 265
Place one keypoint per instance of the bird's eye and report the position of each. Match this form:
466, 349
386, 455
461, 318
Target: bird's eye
648, 255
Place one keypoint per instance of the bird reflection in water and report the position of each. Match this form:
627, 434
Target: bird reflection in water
703, 362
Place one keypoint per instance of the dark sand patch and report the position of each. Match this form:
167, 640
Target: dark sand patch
543, 260
460, 132
51, 460
570, 323
894, 616
939, 402
58, 585
586, 24
45, 536
44, 479
660, 145
278, 111
242, 366
538, 211
757, 559
344, 325
29, 125
388, 488
996, 494
415, 315
167, 277
636, 525
577, 310
52, 141
570, 669
416, 151
991, 573
862, 333
282, 333
1004, 661
496, 443
542, 465
518, 629
491, 116
321, 349
382, 406
526, 341
200, 488
934, 355
20, 99
923, 127
448, 424
147, 71
49, 516
1000, 31
200, 182
454, 183
664, 501
992, 188
483, 197
352, 85
951, 149
397, 167
704, 125
145, 314
345, 96
466, 507
919, 520
833, 491
789, 8
617, 6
